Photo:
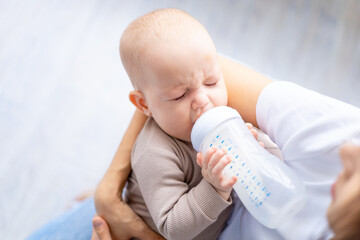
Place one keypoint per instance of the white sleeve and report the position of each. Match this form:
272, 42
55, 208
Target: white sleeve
303, 123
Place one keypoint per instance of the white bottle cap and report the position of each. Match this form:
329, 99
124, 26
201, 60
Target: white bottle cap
209, 121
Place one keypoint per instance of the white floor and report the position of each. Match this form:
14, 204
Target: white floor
63, 92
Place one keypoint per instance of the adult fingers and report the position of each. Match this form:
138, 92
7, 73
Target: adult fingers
101, 229
94, 236
252, 130
254, 133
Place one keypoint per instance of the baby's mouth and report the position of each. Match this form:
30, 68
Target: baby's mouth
197, 118
201, 113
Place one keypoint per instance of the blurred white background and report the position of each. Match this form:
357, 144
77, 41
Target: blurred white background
63, 91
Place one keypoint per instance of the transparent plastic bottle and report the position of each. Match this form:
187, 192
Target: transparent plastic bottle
267, 187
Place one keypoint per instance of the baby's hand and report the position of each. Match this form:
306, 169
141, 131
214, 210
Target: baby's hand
212, 163
254, 133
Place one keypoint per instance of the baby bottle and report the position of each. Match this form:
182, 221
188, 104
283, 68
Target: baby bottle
269, 189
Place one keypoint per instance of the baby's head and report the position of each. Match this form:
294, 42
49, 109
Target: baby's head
173, 65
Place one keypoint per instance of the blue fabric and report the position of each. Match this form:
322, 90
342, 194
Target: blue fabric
73, 224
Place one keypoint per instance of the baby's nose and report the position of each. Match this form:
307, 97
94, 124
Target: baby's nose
200, 100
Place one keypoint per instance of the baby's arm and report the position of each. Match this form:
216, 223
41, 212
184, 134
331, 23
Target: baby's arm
179, 207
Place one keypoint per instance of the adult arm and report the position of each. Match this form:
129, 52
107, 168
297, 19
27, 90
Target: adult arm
244, 86
305, 124
122, 221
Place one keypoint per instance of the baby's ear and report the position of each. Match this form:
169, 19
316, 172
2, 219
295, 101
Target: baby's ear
138, 99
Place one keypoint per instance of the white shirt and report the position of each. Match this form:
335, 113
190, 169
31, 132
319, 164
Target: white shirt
309, 128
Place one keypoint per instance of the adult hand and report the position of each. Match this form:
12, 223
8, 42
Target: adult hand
100, 229
254, 133
121, 220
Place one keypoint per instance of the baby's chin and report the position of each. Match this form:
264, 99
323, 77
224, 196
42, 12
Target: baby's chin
185, 139
182, 137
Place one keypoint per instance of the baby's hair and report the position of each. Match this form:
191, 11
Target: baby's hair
170, 25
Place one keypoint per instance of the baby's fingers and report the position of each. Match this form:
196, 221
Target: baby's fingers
219, 167
215, 158
199, 159
227, 182
207, 156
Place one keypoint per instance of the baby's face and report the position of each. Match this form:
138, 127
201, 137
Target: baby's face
184, 83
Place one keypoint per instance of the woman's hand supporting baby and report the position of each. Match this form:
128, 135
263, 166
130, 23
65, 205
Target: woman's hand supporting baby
121, 220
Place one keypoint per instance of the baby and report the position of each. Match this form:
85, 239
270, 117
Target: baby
173, 65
